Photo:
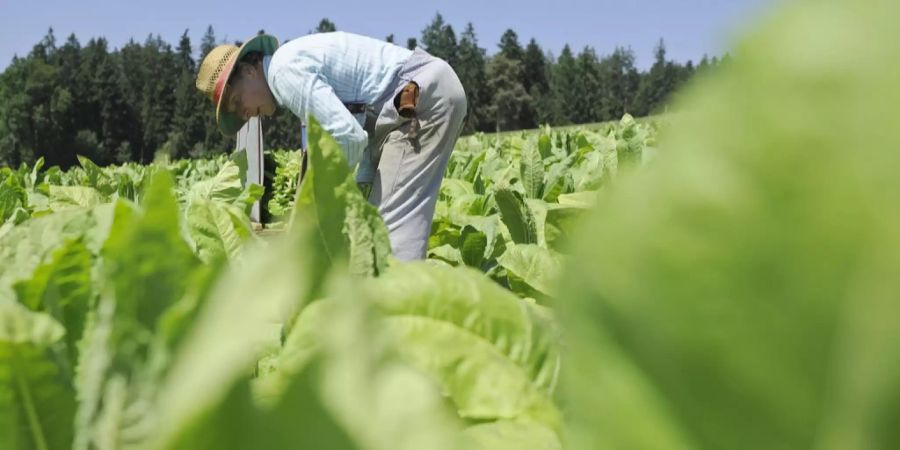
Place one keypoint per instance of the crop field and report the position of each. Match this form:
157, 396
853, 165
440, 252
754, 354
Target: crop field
723, 277
112, 271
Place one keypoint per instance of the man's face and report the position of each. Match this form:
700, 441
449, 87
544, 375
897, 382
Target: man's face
249, 95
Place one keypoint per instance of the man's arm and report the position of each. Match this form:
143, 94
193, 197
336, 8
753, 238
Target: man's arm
304, 92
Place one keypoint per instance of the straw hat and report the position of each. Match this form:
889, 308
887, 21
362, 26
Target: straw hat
216, 69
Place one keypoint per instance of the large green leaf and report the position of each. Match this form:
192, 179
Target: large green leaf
537, 211
225, 187
473, 168
217, 208
95, 177
447, 253
452, 188
382, 402
35, 176
517, 217
69, 197
146, 257
62, 287
489, 226
512, 435
11, 196
368, 239
36, 402
531, 269
240, 159
496, 357
287, 166
544, 145
333, 385
218, 230
531, 167
298, 420
596, 160
742, 291
557, 179
338, 222
228, 334
473, 246
147, 268
629, 143
463, 206
24, 247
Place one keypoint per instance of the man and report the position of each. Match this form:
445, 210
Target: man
396, 113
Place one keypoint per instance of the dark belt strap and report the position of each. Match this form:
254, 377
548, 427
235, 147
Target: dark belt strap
356, 108
405, 102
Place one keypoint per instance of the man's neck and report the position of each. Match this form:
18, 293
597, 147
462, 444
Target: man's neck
265, 66
265, 71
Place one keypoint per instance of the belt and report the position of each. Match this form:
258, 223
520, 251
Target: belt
405, 101
356, 108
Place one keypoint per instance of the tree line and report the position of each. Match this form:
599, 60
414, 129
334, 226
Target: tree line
127, 104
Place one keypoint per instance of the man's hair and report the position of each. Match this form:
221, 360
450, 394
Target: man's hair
250, 59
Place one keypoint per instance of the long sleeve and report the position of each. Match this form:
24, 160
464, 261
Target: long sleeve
305, 92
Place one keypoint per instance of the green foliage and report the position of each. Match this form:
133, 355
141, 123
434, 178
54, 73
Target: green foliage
660, 82
325, 26
531, 168
145, 291
330, 209
470, 66
516, 215
531, 269
62, 287
284, 183
527, 188
36, 406
508, 96
495, 356
128, 104
740, 293
146, 256
122, 280
736, 290
439, 39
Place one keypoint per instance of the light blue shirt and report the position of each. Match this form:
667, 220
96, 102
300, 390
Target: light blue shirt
318, 73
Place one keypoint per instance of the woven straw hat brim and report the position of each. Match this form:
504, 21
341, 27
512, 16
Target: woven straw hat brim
230, 123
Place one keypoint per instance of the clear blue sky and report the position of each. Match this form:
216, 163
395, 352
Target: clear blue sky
690, 28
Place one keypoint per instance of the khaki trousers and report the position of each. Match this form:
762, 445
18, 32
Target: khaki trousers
411, 160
